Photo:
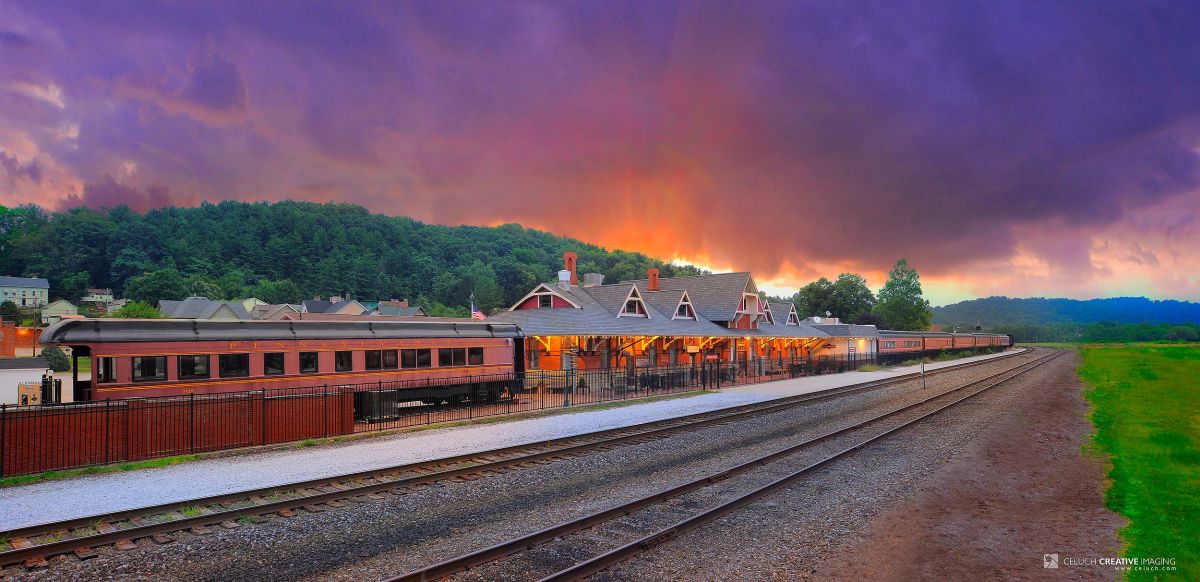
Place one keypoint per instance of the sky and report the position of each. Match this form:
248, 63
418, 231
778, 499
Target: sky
1015, 148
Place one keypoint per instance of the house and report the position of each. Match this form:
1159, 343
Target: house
25, 291
252, 303
335, 305
274, 312
55, 311
203, 308
669, 321
398, 308
101, 296
115, 306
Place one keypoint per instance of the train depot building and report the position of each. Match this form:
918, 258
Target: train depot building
679, 321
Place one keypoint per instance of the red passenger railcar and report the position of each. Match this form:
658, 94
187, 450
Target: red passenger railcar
141, 358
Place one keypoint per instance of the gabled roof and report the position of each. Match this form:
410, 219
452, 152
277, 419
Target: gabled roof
715, 297
58, 301
200, 308
322, 306
412, 310
32, 282
268, 311
666, 302
597, 316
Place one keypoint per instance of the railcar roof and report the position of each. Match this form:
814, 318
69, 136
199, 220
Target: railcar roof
84, 331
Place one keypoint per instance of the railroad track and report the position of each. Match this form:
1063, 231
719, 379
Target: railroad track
557, 533
32, 545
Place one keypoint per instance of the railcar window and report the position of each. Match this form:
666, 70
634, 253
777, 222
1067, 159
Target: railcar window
452, 356
424, 358
193, 367
273, 363
475, 356
105, 370
374, 359
233, 365
389, 359
147, 368
343, 361
308, 362
408, 358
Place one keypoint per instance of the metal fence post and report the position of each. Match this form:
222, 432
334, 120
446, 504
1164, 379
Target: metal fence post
107, 429
3, 436
192, 422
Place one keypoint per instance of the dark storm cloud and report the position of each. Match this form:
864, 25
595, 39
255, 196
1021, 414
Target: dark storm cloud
749, 134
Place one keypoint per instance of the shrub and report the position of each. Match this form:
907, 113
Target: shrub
56, 359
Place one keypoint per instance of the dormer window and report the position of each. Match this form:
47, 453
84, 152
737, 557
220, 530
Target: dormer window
685, 309
543, 297
793, 319
634, 307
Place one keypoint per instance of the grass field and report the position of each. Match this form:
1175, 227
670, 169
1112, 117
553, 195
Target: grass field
1146, 408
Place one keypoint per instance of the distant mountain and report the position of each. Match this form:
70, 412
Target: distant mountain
993, 311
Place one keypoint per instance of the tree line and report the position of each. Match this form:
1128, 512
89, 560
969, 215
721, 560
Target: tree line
287, 251
900, 304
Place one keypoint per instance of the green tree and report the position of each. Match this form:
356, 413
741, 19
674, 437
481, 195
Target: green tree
56, 359
138, 310
73, 287
814, 298
851, 297
157, 285
281, 291
901, 303
481, 282
10, 312
1181, 333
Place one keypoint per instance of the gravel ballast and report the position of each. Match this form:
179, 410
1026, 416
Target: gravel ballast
396, 533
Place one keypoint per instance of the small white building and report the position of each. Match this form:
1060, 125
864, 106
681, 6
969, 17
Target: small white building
17, 371
58, 310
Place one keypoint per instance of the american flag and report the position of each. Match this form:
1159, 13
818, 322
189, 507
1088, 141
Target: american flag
476, 314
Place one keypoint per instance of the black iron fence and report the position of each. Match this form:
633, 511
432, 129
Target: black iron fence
60, 436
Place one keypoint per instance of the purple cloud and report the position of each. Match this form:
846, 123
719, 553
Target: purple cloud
751, 135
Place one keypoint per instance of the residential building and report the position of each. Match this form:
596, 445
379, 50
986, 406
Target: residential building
203, 308
274, 312
398, 307
25, 291
335, 305
57, 310
115, 306
101, 296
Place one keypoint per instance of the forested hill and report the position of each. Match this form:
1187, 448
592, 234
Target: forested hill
994, 311
288, 251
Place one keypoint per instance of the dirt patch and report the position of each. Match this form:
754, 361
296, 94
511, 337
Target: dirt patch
1023, 490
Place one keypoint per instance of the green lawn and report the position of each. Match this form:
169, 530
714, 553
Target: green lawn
1146, 408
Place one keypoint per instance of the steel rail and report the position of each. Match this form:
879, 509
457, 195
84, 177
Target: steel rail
489, 554
419, 473
622, 553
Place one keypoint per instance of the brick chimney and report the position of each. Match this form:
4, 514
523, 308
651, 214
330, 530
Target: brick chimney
569, 259
652, 276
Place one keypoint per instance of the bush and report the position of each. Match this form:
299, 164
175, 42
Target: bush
56, 359
138, 310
